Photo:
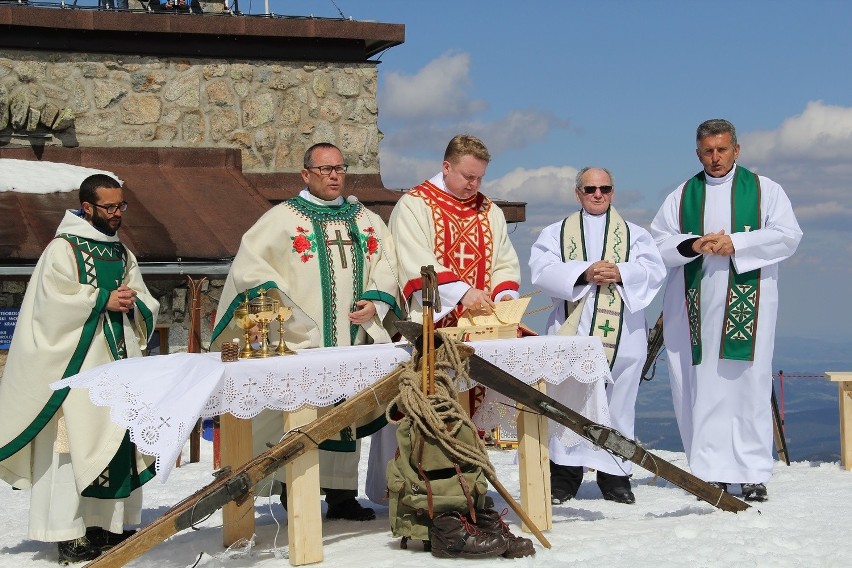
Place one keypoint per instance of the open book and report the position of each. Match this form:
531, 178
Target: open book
504, 323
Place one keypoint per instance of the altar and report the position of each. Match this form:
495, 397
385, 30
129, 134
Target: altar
159, 400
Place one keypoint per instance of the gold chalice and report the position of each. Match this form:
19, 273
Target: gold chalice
245, 320
264, 310
284, 313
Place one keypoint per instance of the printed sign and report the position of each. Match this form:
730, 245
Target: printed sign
8, 319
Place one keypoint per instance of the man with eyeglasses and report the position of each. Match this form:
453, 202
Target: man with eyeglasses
722, 234
332, 262
601, 273
85, 305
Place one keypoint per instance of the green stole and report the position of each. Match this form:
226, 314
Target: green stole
104, 266
743, 298
609, 307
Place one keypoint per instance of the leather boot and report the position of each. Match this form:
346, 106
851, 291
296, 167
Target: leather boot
490, 521
453, 536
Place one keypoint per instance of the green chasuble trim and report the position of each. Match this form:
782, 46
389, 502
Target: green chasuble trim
120, 477
379, 296
87, 334
608, 313
743, 298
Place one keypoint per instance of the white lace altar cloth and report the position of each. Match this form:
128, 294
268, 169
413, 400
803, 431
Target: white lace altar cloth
159, 399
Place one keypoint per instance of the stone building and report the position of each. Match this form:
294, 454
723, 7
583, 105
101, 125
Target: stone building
205, 119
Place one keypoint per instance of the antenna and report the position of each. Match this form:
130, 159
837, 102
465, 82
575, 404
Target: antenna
339, 11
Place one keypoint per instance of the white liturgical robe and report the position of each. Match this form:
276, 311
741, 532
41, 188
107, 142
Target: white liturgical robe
722, 405
642, 277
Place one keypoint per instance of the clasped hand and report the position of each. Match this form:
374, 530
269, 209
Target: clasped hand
602, 272
122, 299
714, 243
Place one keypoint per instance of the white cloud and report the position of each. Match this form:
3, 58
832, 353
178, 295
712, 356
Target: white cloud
822, 132
404, 172
438, 90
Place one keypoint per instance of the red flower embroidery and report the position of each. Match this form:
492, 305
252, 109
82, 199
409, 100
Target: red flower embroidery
302, 243
371, 243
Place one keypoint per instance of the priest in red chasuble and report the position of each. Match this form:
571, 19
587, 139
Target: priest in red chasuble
447, 223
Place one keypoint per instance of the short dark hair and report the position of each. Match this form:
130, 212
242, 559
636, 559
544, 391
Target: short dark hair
309, 153
714, 127
91, 185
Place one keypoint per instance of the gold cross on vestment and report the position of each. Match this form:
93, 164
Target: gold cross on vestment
338, 240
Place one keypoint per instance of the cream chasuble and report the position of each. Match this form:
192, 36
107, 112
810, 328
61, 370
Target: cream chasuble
465, 240
319, 259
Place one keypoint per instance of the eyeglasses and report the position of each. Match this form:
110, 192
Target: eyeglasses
111, 209
590, 189
326, 170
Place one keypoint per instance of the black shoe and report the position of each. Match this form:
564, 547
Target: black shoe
104, 539
565, 481
77, 550
350, 510
619, 495
559, 496
615, 488
755, 492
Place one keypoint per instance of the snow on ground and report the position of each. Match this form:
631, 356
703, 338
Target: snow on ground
805, 523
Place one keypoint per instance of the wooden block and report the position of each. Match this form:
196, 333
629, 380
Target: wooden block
844, 395
304, 513
534, 464
236, 450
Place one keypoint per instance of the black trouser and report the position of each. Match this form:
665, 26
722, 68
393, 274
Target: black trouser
567, 478
333, 497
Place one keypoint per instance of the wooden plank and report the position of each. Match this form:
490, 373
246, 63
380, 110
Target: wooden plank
844, 396
304, 512
534, 467
236, 449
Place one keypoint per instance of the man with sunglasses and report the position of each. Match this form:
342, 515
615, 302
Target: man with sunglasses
332, 262
601, 273
85, 305
722, 234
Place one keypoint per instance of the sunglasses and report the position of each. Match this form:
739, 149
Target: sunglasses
590, 189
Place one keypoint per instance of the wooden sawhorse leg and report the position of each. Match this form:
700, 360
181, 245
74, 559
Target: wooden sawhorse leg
534, 464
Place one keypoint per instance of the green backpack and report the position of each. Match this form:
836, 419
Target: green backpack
423, 481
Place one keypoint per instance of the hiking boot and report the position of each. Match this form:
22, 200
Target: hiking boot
453, 536
77, 550
104, 539
755, 492
490, 521
350, 510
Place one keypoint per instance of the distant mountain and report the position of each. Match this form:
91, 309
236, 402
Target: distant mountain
811, 415
814, 356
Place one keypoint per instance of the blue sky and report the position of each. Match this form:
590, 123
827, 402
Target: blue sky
554, 86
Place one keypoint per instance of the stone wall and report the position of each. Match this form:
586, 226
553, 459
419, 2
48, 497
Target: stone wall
272, 111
